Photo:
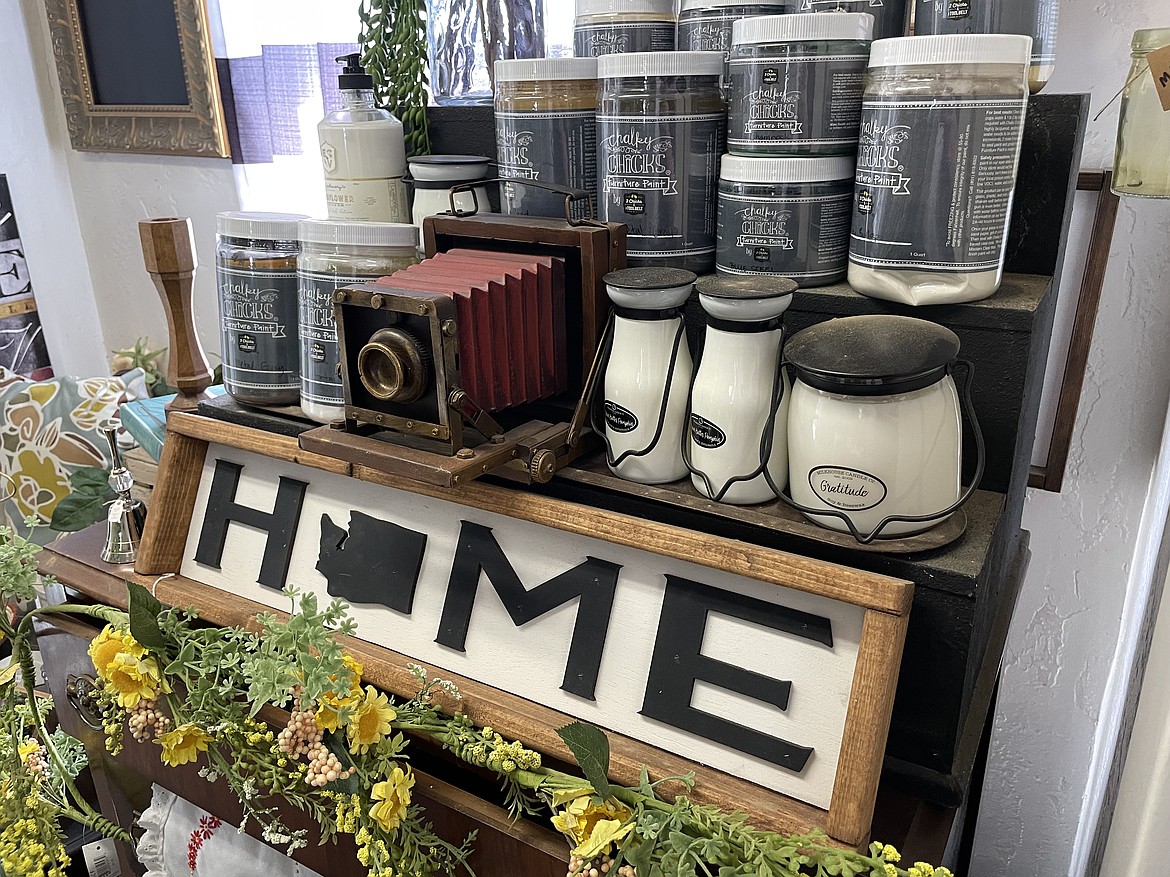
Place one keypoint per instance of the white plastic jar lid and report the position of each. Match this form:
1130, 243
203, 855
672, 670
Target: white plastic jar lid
952, 49
692, 5
258, 226
358, 234
801, 26
660, 64
752, 169
603, 7
540, 69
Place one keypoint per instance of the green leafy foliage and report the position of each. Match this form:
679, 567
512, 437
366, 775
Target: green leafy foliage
18, 567
86, 503
393, 42
145, 610
591, 749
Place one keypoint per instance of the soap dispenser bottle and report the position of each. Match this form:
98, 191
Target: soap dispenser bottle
363, 153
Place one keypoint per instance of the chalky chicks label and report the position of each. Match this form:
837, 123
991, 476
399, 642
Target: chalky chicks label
320, 352
798, 102
850, 490
806, 238
555, 147
595, 40
1036, 18
934, 183
657, 175
258, 326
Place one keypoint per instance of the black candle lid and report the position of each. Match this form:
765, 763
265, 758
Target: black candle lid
649, 278
878, 355
756, 286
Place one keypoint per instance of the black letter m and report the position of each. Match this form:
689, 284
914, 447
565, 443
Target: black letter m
280, 524
593, 581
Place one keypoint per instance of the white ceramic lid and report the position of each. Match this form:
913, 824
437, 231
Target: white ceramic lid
449, 168
660, 64
545, 69
603, 7
802, 26
258, 226
952, 49
649, 289
358, 234
751, 169
751, 299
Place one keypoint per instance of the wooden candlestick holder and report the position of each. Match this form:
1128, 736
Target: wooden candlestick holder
168, 249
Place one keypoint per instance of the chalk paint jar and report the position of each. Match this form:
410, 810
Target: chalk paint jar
891, 18
614, 27
941, 128
705, 25
336, 254
546, 132
787, 216
1034, 18
660, 134
795, 83
256, 276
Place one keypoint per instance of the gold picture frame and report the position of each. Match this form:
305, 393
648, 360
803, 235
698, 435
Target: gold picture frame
194, 128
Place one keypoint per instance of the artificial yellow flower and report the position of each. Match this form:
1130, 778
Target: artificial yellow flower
107, 645
392, 797
183, 744
370, 721
133, 679
27, 748
581, 817
890, 853
605, 832
330, 705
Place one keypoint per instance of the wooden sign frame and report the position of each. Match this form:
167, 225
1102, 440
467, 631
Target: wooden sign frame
885, 603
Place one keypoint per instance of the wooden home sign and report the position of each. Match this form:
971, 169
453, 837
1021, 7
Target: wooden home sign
772, 675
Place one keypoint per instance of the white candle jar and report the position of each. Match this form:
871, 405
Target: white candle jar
647, 372
737, 449
874, 426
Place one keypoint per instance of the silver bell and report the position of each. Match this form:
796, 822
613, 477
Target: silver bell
126, 516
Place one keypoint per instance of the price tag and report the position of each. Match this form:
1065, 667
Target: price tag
1160, 69
101, 858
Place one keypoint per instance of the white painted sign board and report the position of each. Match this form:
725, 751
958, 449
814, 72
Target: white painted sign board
658, 649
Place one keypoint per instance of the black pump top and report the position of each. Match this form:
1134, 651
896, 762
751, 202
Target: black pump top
354, 76
878, 355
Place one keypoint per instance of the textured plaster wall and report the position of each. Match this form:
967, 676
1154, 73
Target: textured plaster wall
1064, 634
112, 193
32, 143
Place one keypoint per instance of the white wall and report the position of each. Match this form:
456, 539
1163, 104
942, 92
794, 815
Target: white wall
31, 155
1061, 648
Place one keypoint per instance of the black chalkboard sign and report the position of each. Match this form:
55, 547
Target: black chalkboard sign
132, 48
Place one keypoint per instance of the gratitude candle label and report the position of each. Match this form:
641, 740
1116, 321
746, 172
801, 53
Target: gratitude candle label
847, 489
320, 354
934, 183
258, 324
802, 238
799, 103
658, 176
557, 147
594, 40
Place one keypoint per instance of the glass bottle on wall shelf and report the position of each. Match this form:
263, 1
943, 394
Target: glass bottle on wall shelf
466, 37
1141, 165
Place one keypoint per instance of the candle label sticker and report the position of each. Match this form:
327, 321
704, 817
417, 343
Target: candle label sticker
801, 102
258, 329
1159, 60
320, 354
594, 40
619, 418
847, 489
657, 175
934, 183
706, 434
802, 238
556, 147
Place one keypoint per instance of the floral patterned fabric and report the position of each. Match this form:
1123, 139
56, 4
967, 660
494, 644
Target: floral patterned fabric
48, 430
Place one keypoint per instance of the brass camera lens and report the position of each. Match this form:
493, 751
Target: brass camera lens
392, 366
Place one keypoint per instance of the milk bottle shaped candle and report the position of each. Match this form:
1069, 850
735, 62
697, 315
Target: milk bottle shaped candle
647, 373
737, 450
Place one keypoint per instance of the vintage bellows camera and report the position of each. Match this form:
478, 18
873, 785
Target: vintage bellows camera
477, 359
